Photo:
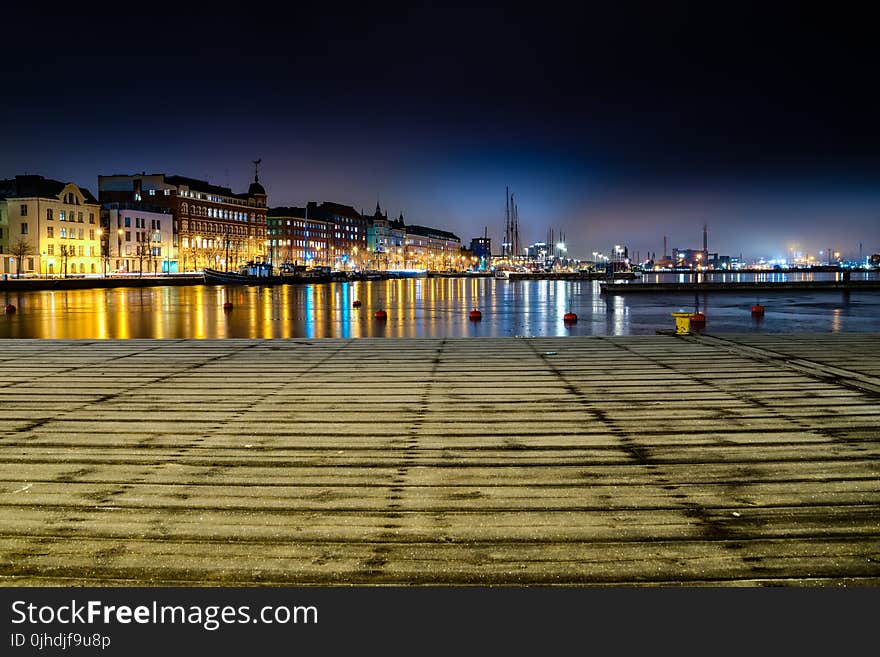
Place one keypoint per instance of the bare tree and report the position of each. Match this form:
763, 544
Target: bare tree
65, 252
20, 250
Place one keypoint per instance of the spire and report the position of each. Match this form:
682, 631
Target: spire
378, 210
257, 170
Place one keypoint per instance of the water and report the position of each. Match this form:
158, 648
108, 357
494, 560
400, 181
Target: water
416, 308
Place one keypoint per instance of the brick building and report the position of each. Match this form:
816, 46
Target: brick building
212, 226
297, 239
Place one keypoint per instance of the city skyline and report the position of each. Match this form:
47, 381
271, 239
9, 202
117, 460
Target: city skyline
610, 125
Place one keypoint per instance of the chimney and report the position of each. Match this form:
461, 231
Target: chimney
705, 239
664, 247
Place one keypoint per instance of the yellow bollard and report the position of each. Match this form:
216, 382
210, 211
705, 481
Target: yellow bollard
682, 323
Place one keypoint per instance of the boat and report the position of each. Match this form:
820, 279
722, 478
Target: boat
250, 274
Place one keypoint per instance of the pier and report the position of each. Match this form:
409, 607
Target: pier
647, 460
757, 287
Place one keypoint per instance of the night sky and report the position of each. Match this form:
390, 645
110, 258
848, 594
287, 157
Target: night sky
615, 125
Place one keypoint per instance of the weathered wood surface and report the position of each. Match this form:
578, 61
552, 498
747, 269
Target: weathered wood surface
643, 460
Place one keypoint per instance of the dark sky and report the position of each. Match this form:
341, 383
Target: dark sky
615, 125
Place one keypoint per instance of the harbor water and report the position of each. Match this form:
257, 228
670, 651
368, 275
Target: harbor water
421, 307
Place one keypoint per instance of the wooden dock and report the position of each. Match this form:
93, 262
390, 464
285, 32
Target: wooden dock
648, 460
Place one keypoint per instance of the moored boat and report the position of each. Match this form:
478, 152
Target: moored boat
250, 274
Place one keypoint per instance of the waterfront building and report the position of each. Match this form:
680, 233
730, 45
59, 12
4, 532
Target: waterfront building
138, 237
481, 250
48, 228
347, 236
431, 248
212, 226
295, 238
385, 240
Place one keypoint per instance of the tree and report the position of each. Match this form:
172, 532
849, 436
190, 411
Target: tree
142, 251
65, 252
20, 250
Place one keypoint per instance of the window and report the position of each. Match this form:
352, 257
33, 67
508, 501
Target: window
48, 214
91, 217
80, 235
128, 236
91, 233
23, 210
92, 251
24, 228
152, 192
30, 264
80, 217
50, 231
50, 249
79, 251
128, 222
62, 216
63, 232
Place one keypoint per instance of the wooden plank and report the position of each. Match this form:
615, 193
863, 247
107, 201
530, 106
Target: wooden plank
646, 460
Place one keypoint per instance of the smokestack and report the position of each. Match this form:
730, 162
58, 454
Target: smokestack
705, 239
664, 247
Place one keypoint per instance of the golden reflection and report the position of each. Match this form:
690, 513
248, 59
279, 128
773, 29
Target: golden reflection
835, 320
415, 307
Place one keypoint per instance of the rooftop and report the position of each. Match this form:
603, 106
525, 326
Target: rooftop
34, 186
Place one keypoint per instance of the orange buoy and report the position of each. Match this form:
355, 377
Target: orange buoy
698, 319
569, 318
356, 303
227, 305
475, 315
757, 310
10, 309
381, 315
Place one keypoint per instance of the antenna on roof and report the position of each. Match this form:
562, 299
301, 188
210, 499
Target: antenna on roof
257, 169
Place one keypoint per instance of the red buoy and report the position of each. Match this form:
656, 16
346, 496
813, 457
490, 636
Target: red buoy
227, 305
10, 309
698, 320
475, 315
381, 315
356, 303
757, 310
569, 318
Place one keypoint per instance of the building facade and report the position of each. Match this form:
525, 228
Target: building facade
138, 238
48, 228
295, 239
347, 236
431, 248
211, 226
385, 241
481, 251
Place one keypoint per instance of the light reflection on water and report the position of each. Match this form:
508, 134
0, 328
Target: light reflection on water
416, 308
